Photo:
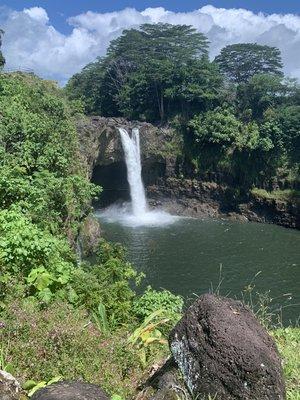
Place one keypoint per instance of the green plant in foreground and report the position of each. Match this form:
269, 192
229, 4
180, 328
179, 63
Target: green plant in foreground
153, 300
100, 319
31, 386
148, 334
5, 365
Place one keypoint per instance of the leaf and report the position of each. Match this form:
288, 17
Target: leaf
55, 379
45, 295
40, 385
29, 384
43, 281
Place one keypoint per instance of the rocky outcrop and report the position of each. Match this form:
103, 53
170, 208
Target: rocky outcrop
161, 150
89, 236
10, 388
221, 349
70, 391
281, 212
191, 197
101, 145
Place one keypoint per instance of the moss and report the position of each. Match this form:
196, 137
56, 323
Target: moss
283, 195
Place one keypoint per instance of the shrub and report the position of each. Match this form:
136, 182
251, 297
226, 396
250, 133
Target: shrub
153, 300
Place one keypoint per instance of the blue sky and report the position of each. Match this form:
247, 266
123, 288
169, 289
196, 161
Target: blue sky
58, 38
60, 10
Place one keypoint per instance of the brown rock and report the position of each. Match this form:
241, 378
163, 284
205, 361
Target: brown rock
70, 391
222, 349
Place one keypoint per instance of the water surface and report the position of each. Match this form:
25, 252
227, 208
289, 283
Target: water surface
185, 257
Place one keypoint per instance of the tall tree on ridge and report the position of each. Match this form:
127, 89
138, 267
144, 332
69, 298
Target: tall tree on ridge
2, 59
240, 62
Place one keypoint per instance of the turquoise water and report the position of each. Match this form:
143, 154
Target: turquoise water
192, 256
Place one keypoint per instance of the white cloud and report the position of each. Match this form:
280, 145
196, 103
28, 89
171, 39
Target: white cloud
31, 41
37, 13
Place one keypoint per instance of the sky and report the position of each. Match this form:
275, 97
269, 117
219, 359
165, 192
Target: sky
58, 38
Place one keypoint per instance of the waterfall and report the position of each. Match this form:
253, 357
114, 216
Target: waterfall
131, 147
136, 213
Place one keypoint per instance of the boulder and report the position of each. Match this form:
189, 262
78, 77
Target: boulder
10, 388
65, 390
222, 349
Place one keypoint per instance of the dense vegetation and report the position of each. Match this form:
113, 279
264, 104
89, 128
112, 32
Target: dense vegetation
44, 197
239, 116
57, 313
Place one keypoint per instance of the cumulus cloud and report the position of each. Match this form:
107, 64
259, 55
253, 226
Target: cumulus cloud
32, 42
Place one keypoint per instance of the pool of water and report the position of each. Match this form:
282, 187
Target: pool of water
192, 256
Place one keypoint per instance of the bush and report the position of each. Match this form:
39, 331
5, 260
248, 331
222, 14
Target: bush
32, 255
41, 168
153, 300
108, 281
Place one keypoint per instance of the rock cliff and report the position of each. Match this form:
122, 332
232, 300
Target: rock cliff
162, 155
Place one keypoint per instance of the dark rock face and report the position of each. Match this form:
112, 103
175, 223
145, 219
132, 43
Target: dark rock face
221, 349
195, 198
10, 388
101, 144
70, 391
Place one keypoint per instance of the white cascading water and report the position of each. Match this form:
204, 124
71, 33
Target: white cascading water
131, 147
137, 213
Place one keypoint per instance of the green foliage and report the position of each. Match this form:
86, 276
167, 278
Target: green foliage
283, 195
61, 340
262, 92
32, 386
219, 127
152, 300
149, 73
148, 334
239, 62
40, 163
35, 256
107, 282
288, 342
100, 319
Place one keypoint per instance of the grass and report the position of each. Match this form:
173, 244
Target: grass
39, 344
288, 342
63, 341
283, 195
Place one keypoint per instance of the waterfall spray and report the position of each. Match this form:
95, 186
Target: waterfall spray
139, 213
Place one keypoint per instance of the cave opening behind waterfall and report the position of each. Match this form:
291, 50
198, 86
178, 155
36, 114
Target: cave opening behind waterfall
113, 180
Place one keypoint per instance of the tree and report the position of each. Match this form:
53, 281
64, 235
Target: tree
262, 92
2, 59
138, 70
240, 62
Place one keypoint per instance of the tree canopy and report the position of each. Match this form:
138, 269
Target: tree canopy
2, 59
240, 62
237, 114
147, 73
